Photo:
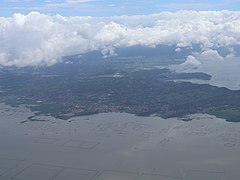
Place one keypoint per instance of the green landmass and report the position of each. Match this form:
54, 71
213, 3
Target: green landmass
118, 85
232, 115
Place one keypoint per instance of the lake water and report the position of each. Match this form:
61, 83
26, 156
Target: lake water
117, 146
224, 73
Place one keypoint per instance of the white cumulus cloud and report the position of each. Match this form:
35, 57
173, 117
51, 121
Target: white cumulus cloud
211, 55
192, 62
197, 59
37, 39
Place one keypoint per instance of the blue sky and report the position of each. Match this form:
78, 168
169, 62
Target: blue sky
111, 7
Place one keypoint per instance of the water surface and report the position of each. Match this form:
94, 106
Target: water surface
117, 146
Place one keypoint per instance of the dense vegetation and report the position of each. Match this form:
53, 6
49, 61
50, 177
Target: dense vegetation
82, 88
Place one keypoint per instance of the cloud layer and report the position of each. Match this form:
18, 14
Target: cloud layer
38, 39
